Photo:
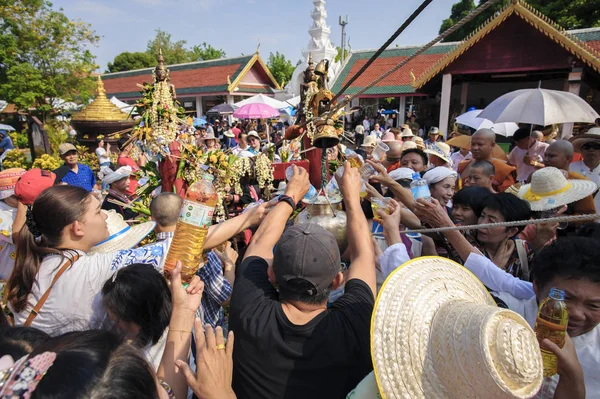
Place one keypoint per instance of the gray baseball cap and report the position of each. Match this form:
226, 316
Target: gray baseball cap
306, 259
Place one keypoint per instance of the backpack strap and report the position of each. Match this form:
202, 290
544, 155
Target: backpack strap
522, 252
36, 309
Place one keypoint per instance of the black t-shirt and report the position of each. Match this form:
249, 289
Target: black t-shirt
273, 358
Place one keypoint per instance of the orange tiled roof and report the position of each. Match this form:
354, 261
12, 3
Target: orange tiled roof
214, 76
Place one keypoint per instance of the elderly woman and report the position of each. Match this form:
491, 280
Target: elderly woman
441, 182
118, 183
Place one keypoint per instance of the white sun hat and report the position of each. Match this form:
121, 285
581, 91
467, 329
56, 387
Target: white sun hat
370, 141
550, 189
437, 333
121, 235
111, 176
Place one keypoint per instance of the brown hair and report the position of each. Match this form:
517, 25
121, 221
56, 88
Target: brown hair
55, 208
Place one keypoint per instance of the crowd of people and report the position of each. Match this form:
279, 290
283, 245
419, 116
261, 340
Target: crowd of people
397, 314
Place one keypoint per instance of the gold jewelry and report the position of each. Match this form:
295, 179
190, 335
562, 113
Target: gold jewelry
220, 347
182, 331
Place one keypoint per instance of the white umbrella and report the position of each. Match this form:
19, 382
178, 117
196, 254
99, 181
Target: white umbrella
123, 106
262, 99
474, 120
539, 107
7, 127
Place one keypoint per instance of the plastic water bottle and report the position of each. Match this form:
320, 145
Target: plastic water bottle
194, 220
551, 323
419, 187
312, 192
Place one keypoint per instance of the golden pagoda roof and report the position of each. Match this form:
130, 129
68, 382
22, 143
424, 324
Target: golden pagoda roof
101, 109
534, 18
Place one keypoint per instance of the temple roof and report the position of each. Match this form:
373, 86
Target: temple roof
213, 76
583, 43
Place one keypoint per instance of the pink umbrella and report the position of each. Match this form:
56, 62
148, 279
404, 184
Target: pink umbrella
255, 111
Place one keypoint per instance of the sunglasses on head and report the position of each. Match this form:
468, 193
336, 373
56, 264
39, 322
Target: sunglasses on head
591, 146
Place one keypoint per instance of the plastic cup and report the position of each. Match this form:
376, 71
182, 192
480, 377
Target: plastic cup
384, 204
289, 172
379, 151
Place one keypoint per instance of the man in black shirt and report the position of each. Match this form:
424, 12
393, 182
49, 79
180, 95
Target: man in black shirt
288, 343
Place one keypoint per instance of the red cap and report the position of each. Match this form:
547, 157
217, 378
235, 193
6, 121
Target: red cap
32, 183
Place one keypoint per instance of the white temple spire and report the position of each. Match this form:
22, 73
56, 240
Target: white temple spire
319, 44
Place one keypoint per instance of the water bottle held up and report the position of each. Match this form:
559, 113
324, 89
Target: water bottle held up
312, 192
551, 324
194, 220
419, 187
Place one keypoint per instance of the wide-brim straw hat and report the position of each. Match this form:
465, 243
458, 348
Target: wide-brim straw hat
121, 235
440, 150
370, 141
110, 176
8, 181
437, 333
463, 141
209, 136
550, 189
229, 133
407, 132
591, 135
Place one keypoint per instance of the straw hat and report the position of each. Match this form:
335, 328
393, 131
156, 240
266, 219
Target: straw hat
463, 141
419, 141
8, 180
209, 136
407, 132
440, 150
228, 133
437, 333
370, 141
434, 130
550, 189
121, 235
252, 133
591, 135
408, 145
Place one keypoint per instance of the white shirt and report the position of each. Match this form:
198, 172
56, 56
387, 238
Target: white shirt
587, 347
516, 158
7, 248
591, 174
102, 156
366, 125
457, 158
359, 129
75, 302
376, 134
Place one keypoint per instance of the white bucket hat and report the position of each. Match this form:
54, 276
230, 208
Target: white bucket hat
437, 333
111, 176
550, 189
121, 235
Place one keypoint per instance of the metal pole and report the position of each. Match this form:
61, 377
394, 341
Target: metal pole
343, 22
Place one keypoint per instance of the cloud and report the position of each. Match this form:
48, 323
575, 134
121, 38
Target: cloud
95, 8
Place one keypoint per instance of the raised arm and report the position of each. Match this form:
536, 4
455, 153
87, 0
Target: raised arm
362, 257
401, 194
222, 232
272, 227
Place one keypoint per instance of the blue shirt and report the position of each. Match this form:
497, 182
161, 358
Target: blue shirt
6, 144
84, 177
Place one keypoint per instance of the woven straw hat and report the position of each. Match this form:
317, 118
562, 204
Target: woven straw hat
440, 150
591, 135
437, 333
8, 180
370, 141
550, 189
121, 235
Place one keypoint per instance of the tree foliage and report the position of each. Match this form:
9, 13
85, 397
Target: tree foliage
570, 14
44, 56
281, 68
174, 52
129, 61
338, 56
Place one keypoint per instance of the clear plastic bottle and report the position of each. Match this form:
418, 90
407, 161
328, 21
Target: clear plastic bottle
312, 192
551, 323
195, 219
419, 187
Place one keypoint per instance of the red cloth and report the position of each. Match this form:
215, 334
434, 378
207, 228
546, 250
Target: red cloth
168, 172
133, 183
236, 132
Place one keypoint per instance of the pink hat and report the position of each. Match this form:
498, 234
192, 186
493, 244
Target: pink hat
388, 137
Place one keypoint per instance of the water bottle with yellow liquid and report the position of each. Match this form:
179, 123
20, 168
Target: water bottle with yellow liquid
194, 220
551, 324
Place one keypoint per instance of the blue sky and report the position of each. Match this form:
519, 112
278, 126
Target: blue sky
236, 26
